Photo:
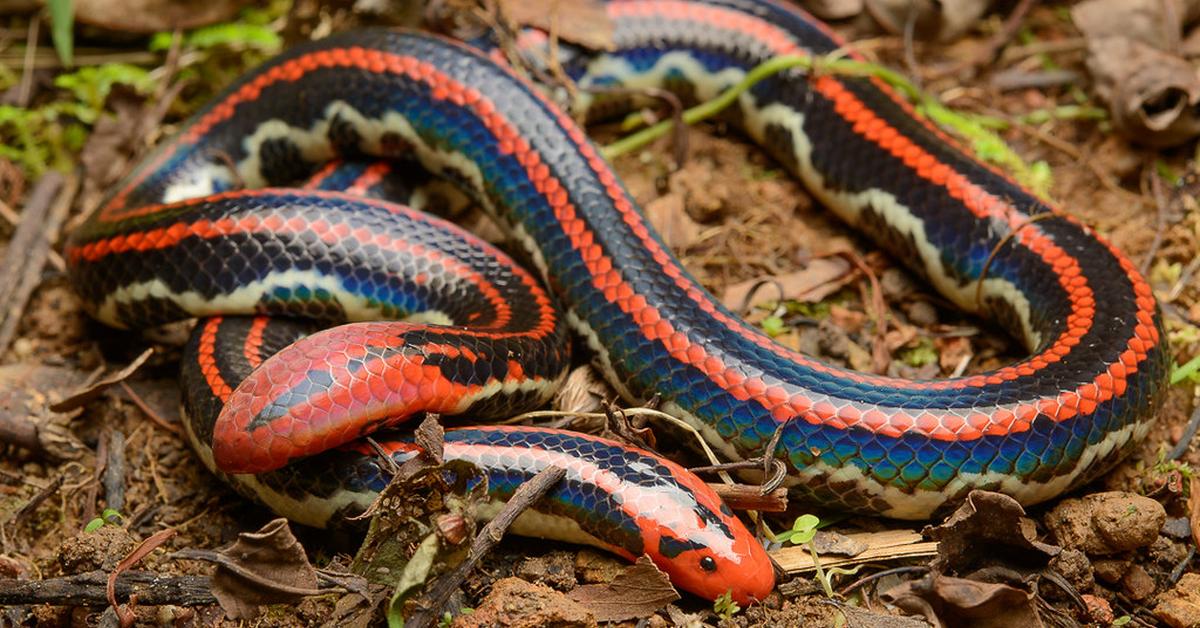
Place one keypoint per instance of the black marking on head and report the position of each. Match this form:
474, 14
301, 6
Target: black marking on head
672, 547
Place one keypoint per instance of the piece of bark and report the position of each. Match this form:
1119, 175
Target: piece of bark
89, 589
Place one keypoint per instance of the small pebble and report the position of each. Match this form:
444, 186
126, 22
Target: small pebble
921, 313
1178, 528
1138, 584
1099, 610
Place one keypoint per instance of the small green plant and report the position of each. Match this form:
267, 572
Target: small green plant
920, 354
774, 326
725, 607
91, 85
107, 517
1122, 620
804, 530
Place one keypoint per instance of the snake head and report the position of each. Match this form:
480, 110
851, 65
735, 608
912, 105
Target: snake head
711, 553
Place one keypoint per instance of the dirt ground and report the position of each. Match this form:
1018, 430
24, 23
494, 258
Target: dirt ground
735, 218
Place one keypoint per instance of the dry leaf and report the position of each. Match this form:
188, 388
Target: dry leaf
988, 528
1157, 23
264, 567
583, 22
79, 398
949, 601
637, 592
822, 277
583, 391
669, 217
943, 21
1152, 95
402, 514
431, 438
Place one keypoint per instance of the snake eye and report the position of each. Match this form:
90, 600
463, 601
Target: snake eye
708, 564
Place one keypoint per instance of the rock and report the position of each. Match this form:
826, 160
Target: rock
921, 314
1180, 606
1102, 524
1110, 570
514, 603
1099, 610
1138, 584
1075, 567
556, 570
1167, 553
102, 548
1178, 528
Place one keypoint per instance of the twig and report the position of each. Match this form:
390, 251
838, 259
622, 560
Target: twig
37, 500
29, 248
910, 55
749, 497
89, 589
1177, 572
151, 543
114, 472
1160, 222
1016, 53
429, 607
881, 574
150, 413
25, 87
1009, 80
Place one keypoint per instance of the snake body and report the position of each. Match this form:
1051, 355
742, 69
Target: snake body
180, 238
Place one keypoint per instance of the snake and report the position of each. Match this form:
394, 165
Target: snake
213, 223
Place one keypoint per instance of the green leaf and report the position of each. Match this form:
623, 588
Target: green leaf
232, 35
62, 24
773, 325
804, 528
1186, 371
93, 525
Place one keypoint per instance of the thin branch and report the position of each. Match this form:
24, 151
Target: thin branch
429, 607
89, 589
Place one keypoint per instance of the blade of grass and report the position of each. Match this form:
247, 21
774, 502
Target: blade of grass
62, 24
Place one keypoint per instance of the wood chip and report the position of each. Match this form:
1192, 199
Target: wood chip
885, 545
